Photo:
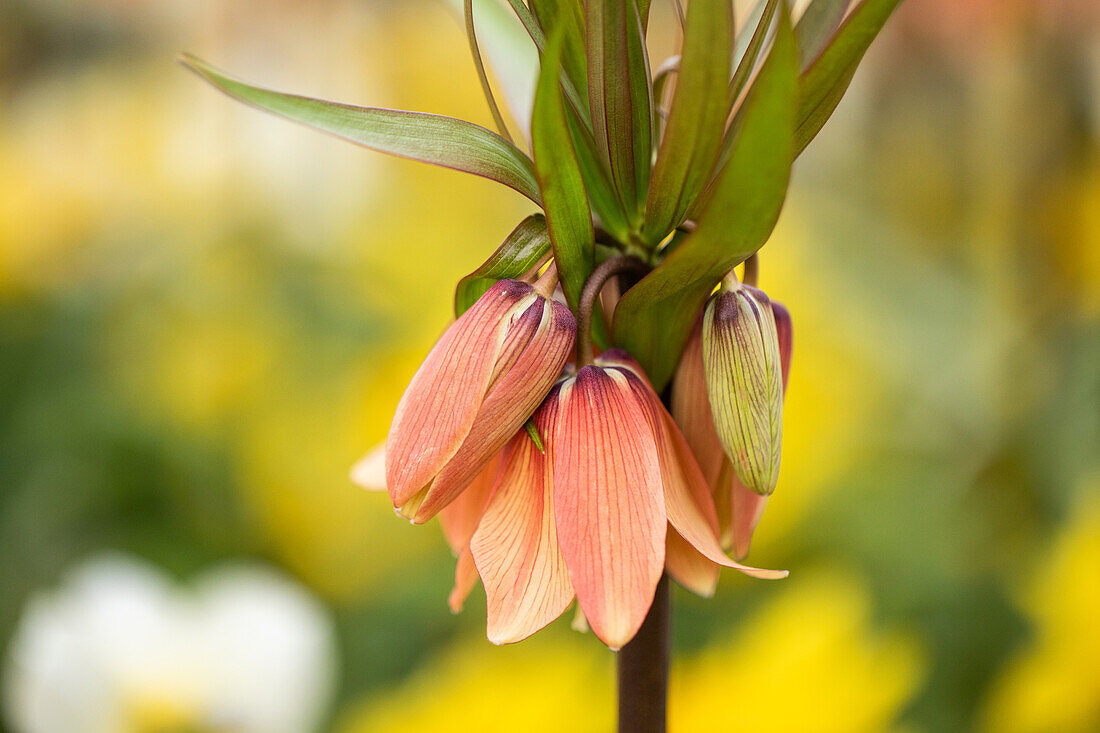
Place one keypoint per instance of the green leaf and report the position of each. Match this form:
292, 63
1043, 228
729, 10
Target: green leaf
435, 139
521, 252
654, 317
479, 66
529, 23
619, 96
601, 192
815, 28
533, 434
574, 60
752, 52
509, 53
643, 13
696, 119
564, 197
827, 78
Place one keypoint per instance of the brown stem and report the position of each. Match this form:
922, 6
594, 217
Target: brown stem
643, 669
587, 303
752, 270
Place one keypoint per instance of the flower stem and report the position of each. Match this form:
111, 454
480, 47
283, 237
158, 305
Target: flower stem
643, 669
591, 293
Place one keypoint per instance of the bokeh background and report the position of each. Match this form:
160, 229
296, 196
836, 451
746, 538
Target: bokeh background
207, 315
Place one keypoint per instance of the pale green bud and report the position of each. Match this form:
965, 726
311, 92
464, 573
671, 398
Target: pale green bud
745, 383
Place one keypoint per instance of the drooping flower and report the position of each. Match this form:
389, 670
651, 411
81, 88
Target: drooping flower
739, 508
745, 383
592, 515
476, 388
119, 647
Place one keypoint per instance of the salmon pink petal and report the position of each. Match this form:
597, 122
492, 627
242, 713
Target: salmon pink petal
515, 396
688, 566
516, 546
442, 401
369, 472
688, 501
465, 580
607, 502
691, 408
459, 518
748, 508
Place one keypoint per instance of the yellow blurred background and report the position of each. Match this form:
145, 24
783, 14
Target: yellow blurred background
207, 315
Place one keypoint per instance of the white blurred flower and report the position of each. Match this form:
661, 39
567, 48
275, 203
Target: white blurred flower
118, 648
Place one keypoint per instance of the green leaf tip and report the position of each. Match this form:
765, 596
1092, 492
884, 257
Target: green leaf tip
436, 139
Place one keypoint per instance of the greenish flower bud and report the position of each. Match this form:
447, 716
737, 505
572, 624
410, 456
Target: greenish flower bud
744, 379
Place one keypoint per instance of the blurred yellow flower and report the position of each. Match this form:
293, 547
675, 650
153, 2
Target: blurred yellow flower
1053, 685
806, 662
549, 683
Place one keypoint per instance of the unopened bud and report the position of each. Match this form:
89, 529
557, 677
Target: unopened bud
745, 383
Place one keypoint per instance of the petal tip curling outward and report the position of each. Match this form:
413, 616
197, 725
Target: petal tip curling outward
689, 567
516, 547
747, 509
369, 472
607, 501
688, 501
441, 403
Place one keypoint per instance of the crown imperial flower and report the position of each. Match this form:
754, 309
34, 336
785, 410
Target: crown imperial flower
476, 388
590, 516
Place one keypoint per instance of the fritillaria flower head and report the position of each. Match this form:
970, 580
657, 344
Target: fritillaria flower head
590, 516
554, 485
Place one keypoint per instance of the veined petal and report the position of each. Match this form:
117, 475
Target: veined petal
516, 546
516, 395
691, 408
369, 472
688, 567
688, 501
442, 401
523, 328
744, 383
465, 580
747, 509
459, 519
607, 502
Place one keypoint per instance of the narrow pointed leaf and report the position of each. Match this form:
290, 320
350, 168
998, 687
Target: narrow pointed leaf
565, 199
752, 51
479, 66
597, 180
530, 23
525, 248
435, 139
696, 119
510, 54
815, 28
823, 84
619, 95
570, 14
654, 318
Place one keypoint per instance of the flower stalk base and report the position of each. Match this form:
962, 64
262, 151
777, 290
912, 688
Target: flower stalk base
643, 669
